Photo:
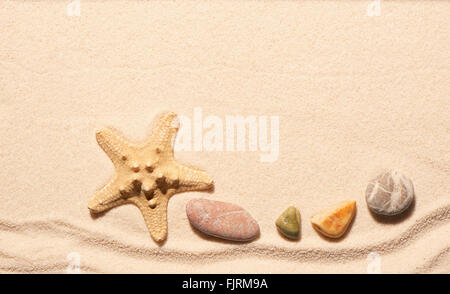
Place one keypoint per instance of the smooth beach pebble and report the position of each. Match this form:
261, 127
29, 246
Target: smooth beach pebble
223, 220
390, 193
334, 221
288, 223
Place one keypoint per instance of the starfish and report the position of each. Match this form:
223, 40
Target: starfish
147, 175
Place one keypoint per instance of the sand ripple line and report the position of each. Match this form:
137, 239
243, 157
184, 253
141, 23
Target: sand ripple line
44, 268
419, 228
26, 265
433, 262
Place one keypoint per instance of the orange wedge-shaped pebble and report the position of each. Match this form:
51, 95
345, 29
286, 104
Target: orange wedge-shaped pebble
334, 221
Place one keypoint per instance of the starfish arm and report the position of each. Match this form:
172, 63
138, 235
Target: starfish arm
106, 198
193, 179
164, 133
155, 218
114, 145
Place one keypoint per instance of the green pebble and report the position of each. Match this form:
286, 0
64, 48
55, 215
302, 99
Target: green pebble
288, 223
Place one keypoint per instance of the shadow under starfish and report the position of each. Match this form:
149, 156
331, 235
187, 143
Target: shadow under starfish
147, 175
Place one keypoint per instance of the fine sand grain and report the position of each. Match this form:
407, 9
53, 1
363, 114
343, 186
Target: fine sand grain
354, 95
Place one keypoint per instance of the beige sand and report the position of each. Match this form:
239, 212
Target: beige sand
355, 94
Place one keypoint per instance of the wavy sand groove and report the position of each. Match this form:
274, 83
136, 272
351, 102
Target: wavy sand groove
42, 268
419, 228
433, 262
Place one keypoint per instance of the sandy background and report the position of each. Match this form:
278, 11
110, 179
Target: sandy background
355, 94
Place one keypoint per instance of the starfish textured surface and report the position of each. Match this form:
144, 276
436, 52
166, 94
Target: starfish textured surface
147, 175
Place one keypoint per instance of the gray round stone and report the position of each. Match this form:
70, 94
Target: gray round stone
390, 193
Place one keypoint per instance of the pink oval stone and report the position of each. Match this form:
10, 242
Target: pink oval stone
222, 220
